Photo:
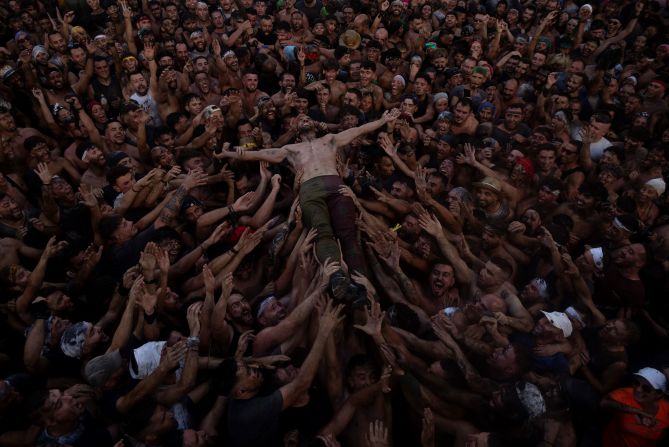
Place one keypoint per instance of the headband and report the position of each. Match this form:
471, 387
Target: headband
541, 286
620, 225
263, 305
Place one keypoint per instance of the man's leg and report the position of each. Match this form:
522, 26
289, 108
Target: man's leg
343, 215
315, 215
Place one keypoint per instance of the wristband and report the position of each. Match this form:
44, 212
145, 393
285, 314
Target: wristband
234, 250
192, 342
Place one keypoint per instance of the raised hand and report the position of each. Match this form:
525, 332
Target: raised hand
330, 318
245, 202
193, 318
221, 230
173, 356
242, 345
427, 433
430, 224
43, 173
361, 279
194, 179
389, 116
377, 435
208, 279
375, 316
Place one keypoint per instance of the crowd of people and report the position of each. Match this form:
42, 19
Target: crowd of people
331, 223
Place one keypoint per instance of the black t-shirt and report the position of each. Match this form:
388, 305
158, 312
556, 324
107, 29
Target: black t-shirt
253, 422
312, 12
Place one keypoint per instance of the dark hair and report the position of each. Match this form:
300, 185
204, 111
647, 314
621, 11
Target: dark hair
108, 225
368, 65
116, 172
226, 376
31, 143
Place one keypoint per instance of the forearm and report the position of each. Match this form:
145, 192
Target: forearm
153, 214
171, 210
145, 388
122, 334
34, 283
265, 211
32, 350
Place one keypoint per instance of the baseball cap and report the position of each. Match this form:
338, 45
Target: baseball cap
560, 320
101, 368
654, 377
489, 183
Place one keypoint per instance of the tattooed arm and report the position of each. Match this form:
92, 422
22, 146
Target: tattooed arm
171, 210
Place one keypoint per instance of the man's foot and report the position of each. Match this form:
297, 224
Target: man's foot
342, 290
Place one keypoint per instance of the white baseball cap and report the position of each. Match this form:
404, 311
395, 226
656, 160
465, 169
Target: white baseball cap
561, 321
654, 377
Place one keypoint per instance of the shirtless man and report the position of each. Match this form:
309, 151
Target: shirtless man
320, 199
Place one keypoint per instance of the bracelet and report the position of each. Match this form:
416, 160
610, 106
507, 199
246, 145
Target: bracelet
192, 342
234, 250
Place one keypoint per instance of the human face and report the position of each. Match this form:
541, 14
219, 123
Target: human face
512, 118
462, 113
64, 409
442, 279
305, 124
502, 359
351, 99
139, 84
386, 167
124, 183
7, 123
57, 42
115, 133
10, 210
202, 82
273, 313
239, 310
546, 160
491, 275
56, 80
545, 329
467, 66
361, 377
125, 231
250, 81
644, 392
62, 191
194, 106
59, 302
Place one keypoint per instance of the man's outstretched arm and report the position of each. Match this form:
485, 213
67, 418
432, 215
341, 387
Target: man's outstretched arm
273, 155
345, 137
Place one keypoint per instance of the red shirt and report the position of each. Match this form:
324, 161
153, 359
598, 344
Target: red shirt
626, 430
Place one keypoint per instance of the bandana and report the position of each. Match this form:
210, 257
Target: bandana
598, 256
541, 286
526, 163
73, 339
263, 305
620, 225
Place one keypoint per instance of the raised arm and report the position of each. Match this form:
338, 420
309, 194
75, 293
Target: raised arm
272, 155
345, 137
